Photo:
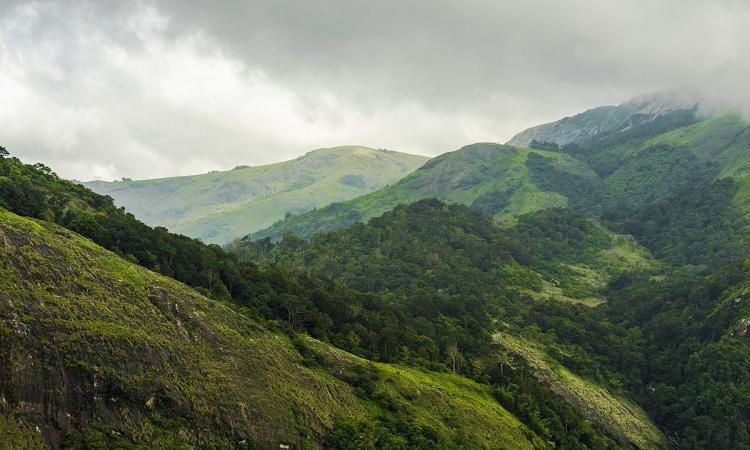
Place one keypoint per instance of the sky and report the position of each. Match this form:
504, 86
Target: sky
106, 89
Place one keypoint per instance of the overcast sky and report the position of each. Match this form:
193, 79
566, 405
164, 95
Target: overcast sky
105, 89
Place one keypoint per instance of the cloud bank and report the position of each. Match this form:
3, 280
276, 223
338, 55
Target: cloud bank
104, 89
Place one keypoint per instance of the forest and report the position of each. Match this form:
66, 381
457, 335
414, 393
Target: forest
428, 285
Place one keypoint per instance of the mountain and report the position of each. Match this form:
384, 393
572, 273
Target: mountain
100, 353
590, 294
498, 180
220, 206
611, 120
425, 253
661, 152
172, 361
311, 333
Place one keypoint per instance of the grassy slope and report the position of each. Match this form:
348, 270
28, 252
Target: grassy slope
220, 206
98, 350
588, 277
497, 176
617, 415
723, 140
442, 401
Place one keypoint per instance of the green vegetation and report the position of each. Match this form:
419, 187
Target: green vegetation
379, 326
694, 376
451, 275
150, 363
700, 227
484, 304
220, 206
497, 180
623, 418
430, 245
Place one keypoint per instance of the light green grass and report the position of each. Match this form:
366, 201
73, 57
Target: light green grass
220, 206
164, 367
617, 415
460, 177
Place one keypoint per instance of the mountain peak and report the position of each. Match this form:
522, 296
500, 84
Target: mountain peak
610, 119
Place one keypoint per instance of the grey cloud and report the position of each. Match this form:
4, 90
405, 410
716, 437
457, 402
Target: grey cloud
162, 87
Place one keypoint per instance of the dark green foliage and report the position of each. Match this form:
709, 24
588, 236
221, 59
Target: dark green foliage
654, 174
547, 414
549, 177
604, 152
389, 433
698, 227
695, 378
331, 217
491, 202
541, 145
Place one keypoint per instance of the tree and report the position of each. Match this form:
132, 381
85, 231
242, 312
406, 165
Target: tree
3, 152
454, 355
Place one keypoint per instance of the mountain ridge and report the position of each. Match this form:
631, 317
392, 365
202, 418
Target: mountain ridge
222, 205
497, 179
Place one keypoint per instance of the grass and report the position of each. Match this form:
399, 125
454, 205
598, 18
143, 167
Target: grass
220, 206
617, 415
137, 360
445, 402
17, 434
462, 176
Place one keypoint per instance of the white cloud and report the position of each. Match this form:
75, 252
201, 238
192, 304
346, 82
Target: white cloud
103, 89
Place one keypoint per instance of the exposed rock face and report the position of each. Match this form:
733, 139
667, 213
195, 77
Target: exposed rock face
606, 119
92, 346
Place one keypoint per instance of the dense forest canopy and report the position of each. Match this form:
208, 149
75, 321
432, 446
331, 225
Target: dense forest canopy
569, 279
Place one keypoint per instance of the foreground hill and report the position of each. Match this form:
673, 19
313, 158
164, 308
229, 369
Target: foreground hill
220, 206
97, 352
498, 180
425, 402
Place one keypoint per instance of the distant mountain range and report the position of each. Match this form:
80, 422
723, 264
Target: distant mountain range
220, 206
608, 158
498, 180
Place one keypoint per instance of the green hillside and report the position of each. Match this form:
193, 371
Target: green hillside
427, 314
220, 206
498, 180
377, 327
655, 179
451, 337
98, 352
448, 261
554, 253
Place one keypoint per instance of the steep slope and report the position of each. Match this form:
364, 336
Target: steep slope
500, 181
621, 417
694, 379
679, 184
97, 352
219, 206
611, 120
445, 263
